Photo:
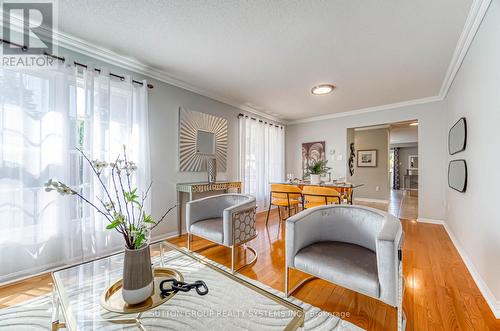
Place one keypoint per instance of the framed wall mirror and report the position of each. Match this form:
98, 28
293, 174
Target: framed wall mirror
457, 137
457, 175
205, 142
201, 137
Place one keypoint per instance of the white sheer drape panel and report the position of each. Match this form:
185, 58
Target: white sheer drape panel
34, 139
44, 116
261, 158
118, 116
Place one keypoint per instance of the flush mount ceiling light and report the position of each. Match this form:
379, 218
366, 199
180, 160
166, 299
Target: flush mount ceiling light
322, 89
414, 124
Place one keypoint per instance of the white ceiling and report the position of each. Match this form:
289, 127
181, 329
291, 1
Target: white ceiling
267, 54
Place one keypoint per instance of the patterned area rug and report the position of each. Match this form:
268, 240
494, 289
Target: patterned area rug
36, 314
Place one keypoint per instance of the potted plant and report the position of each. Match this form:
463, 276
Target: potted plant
316, 169
124, 210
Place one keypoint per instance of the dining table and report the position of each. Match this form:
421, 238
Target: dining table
346, 189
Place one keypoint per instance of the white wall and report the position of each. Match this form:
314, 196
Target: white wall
431, 141
473, 217
375, 179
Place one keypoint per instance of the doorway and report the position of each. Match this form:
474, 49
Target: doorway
387, 176
403, 161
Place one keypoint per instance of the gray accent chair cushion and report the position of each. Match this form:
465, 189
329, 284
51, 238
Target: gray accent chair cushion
341, 263
353, 246
211, 229
212, 217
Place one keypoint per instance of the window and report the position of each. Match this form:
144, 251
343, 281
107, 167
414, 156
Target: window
44, 116
261, 157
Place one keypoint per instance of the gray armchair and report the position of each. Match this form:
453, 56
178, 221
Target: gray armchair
226, 219
356, 247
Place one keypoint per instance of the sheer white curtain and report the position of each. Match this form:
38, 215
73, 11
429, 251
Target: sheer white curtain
116, 114
44, 116
262, 157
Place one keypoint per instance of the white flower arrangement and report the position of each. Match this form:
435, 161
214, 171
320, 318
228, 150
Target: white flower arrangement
125, 211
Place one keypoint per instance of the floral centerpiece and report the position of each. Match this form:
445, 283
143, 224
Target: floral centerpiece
123, 208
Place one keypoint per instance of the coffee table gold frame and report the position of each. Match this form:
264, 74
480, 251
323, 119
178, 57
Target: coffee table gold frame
296, 322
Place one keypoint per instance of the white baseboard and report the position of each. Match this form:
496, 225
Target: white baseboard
430, 220
371, 200
493, 303
481, 284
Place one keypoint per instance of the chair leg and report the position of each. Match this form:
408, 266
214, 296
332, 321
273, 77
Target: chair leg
279, 213
232, 259
401, 319
245, 264
286, 281
268, 211
401, 313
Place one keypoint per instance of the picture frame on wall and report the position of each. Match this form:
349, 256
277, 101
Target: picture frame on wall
311, 153
367, 158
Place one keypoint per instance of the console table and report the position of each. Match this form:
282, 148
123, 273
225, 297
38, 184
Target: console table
200, 187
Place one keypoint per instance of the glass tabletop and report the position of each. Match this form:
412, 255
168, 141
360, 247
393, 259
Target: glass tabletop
323, 184
231, 304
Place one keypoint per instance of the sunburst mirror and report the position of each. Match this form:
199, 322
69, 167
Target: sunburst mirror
201, 136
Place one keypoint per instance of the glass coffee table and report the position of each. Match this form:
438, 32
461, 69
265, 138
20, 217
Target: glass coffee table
231, 304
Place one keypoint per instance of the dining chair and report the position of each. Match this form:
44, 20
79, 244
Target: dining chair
283, 195
313, 196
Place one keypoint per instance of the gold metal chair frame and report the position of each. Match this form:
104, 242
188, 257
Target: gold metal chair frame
289, 207
234, 244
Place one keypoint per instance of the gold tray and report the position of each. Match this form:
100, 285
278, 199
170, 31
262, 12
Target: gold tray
112, 299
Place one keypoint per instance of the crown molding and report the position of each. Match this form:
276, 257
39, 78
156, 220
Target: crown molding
100, 53
474, 18
103, 54
367, 110
473, 21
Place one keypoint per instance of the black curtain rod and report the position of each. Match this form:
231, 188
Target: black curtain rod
62, 59
261, 121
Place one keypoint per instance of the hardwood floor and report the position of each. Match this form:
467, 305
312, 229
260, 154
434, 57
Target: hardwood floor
440, 294
401, 204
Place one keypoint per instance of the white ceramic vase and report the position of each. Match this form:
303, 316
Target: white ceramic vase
315, 179
137, 275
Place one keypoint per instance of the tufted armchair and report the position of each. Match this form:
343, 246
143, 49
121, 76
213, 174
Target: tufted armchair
226, 219
356, 247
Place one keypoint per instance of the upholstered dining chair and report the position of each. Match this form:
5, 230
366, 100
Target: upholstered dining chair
226, 219
283, 195
356, 247
313, 196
